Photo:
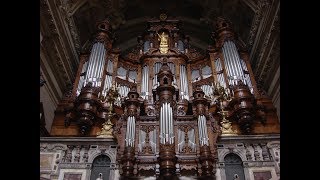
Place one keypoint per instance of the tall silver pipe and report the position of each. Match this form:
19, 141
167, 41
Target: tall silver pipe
99, 66
90, 63
183, 82
102, 64
237, 58
225, 59
97, 60
200, 130
162, 120
94, 63
169, 121
186, 82
142, 82
144, 79
165, 122
127, 133
227, 62
100, 58
203, 129
134, 130
184, 85
232, 63
147, 83
130, 129
161, 124
233, 60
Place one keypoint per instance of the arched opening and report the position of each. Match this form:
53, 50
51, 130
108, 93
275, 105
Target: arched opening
234, 167
101, 164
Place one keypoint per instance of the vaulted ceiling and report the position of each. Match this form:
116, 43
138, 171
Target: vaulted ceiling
67, 28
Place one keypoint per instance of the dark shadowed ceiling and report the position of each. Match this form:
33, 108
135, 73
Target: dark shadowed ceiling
129, 18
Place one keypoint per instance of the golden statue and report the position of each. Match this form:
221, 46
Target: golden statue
226, 126
163, 38
109, 99
106, 130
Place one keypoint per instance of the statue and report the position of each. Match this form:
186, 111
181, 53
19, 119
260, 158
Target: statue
163, 38
106, 130
100, 177
226, 126
107, 127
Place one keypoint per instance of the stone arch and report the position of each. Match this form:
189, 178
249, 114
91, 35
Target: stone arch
238, 152
101, 165
97, 153
234, 166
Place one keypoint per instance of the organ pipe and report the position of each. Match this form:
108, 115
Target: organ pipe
96, 64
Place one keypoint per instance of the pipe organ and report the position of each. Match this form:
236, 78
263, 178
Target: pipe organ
172, 104
95, 65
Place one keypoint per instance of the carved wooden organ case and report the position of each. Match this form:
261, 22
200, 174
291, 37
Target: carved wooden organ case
171, 95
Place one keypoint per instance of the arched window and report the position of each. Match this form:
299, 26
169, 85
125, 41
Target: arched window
233, 167
101, 164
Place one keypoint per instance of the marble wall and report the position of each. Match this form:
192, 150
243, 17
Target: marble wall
260, 155
71, 158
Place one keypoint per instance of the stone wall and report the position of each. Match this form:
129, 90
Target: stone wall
260, 155
73, 157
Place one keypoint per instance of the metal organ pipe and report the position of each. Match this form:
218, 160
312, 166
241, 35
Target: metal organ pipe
184, 83
170, 125
204, 130
228, 63
94, 65
127, 133
133, 130
161, 124
97, 58
226, 59
90, 63
147, 80
232, 67
200, 130
237, 59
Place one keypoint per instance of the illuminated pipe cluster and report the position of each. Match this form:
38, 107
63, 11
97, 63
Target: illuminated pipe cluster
131, 124
81, 80
123, 91
96, 64
207, 89
144, 83
156, 69
203, 132
184, 82
172, 68
247, 79
220, 76
232, 62
166, 124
